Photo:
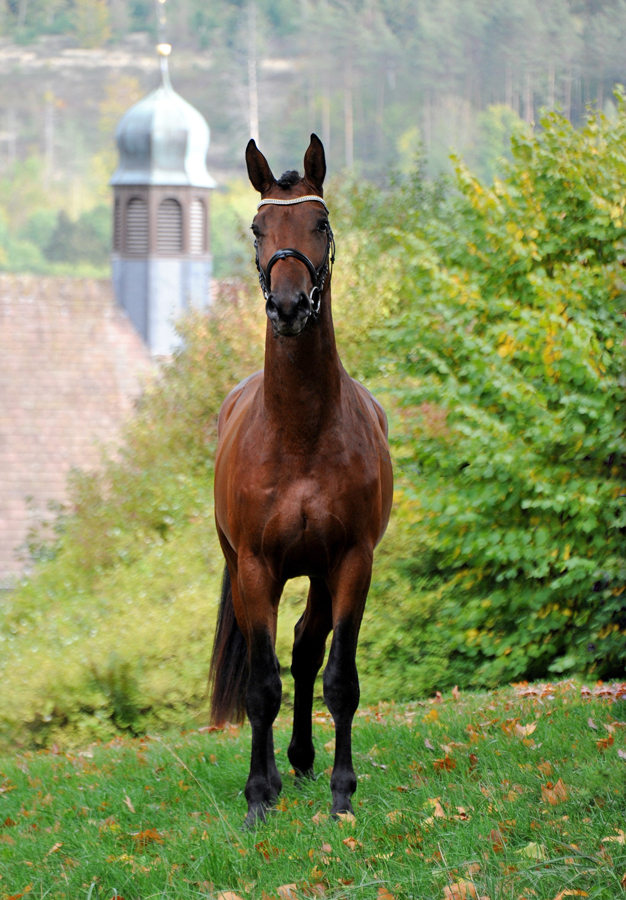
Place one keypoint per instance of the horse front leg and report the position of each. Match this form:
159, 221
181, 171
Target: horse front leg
310, 635
349, 587
260, 596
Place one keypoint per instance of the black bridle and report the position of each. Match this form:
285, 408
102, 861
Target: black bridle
318, 275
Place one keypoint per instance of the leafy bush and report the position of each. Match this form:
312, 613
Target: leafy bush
507, 362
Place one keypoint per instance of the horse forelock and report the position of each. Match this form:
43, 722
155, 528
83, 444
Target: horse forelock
288, 180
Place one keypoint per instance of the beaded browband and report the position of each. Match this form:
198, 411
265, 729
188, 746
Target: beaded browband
291, 202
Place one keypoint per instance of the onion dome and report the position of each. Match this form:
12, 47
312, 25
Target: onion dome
163, 140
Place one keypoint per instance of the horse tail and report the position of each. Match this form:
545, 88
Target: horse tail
229, 662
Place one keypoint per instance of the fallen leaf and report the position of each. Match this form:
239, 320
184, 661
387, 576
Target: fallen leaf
570, 893
438, 697
228, 895
619, 838
456, 692
384, 894
533, 850
497, 840
473, 761
621, 754
330, 745
592, 724
319, 817
347, 817
54, 849
428, 744
23, 893
525, 730
554, 794
266, 849
288, 891
149, 836
445, 765
604, 743
129, 803
461, 890
352, 844
545, 768
8, 822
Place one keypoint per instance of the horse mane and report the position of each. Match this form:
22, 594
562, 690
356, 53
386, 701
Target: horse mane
288, 179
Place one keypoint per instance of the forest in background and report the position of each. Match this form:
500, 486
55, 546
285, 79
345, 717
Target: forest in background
381, 81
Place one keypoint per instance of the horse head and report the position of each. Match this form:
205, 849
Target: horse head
291, 228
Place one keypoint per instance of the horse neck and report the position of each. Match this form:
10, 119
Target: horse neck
302, 382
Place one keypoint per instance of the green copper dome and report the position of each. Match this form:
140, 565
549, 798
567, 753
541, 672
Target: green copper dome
163, 140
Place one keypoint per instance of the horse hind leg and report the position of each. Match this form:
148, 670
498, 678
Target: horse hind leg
310, 636
341, 681
259, 597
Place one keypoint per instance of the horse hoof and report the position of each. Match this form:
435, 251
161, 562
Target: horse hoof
306, 775
342, 806
257, 815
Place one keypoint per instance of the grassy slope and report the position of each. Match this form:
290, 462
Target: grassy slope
519, 812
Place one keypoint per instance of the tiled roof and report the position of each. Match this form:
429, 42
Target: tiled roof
71, 366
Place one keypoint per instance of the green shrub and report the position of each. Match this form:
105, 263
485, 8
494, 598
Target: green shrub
506, 363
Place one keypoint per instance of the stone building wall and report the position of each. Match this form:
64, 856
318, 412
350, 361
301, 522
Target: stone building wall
71, 366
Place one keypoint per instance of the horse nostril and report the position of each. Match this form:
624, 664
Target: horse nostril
303, 302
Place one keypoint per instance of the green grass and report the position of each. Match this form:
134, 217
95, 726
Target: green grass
162, 816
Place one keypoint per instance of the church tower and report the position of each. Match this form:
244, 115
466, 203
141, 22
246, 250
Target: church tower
161, 260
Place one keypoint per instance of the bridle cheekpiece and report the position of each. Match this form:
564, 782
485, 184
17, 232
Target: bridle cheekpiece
318, 275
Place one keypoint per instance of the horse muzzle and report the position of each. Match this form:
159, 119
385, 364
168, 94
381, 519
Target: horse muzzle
288, 314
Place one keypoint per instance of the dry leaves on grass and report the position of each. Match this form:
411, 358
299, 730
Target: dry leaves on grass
533, 850
619, 838
23, 893
462, 890
385, 894
288, 891
570, 893
554, 794
149, 836
444, 765
318, 818
129, 803
525, 730
352, 843
228, 895
497, 840
605, 743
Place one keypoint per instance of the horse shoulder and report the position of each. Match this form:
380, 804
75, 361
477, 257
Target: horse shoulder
242, 391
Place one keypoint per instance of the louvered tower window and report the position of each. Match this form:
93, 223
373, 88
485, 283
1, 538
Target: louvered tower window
137, 226
196, 226
169, 227
117, 225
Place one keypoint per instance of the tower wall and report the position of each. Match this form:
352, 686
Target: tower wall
161, 263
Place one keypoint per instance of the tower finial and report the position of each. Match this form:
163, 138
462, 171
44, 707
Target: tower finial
163, 48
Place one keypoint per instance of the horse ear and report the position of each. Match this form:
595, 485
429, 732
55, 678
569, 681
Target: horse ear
315, 164
259, 171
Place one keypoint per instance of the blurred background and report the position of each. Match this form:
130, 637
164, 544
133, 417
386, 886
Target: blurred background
379, 81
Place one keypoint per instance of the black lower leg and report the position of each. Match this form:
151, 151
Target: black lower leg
308, 655
262, 705
341, 693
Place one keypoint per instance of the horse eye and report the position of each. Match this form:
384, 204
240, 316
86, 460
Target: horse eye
322, 226
255, 231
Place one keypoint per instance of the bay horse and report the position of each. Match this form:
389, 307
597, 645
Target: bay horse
303, 486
